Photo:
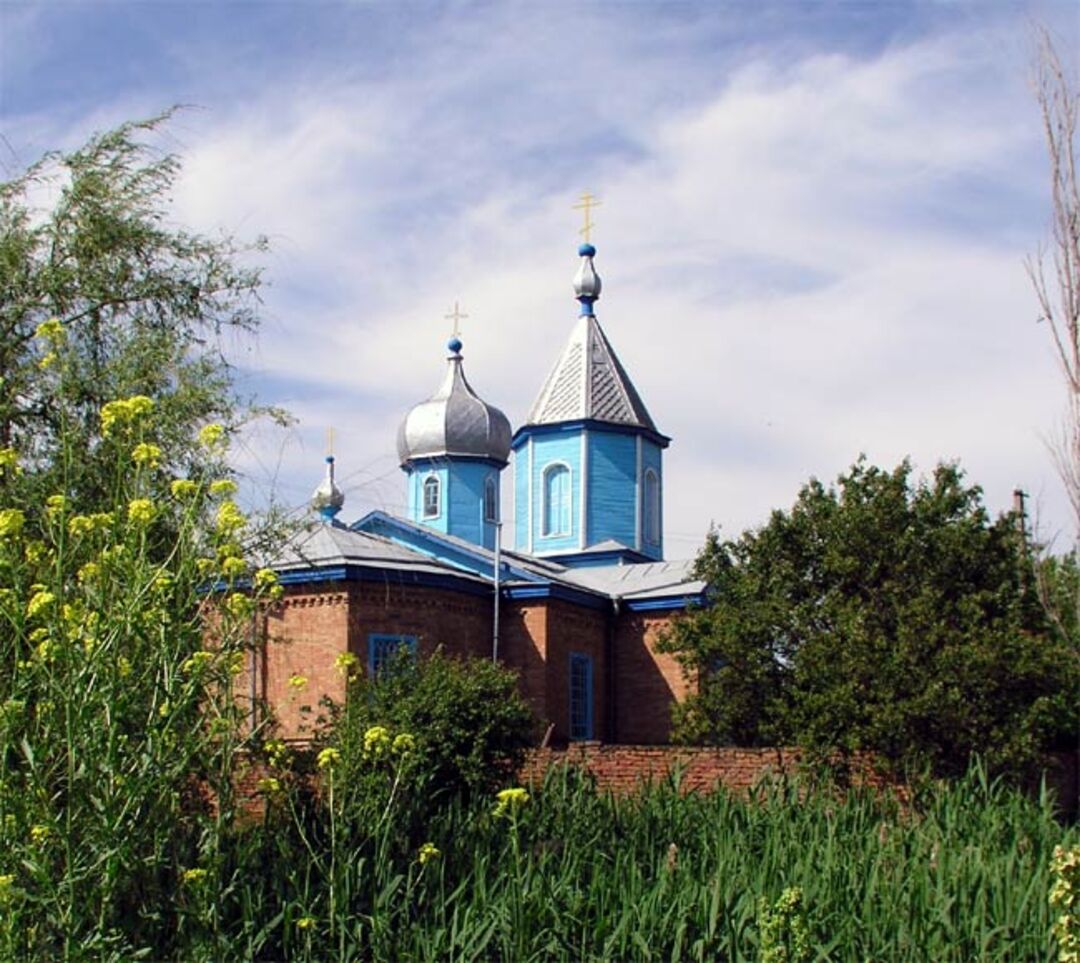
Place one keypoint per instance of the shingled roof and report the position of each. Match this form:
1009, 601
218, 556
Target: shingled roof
589, 382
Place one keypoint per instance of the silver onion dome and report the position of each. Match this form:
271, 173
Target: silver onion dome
454, 421
327, 499
586, 281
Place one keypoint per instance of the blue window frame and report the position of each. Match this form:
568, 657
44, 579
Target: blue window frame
383, 648
581, 696
651, 502
556, 507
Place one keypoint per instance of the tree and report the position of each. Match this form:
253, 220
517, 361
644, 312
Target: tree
468, 718
878, 614
139, 303
1059, 296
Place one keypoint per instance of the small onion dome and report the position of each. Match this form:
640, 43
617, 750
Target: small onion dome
454, 421
586, 281
327, 499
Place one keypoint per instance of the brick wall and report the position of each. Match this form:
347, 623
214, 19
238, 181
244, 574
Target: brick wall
623, 769
647, 683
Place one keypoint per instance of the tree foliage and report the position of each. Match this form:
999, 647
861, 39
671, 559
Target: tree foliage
881, 614
86, 239
469, 720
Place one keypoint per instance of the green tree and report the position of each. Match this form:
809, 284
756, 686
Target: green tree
880, 614
86, 239
469, 720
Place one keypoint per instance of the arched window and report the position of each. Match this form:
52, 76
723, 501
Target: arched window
556, 507
651, 507
431, 496
491, 500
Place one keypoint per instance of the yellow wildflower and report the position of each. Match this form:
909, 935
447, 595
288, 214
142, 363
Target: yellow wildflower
297, 681
229, 518
123, 667
233, 567
509, 801
194, 876
269, 785
80, 525
140, 511
11, 522
345, 663
51, 331
427, 853
210, 436
124, 411
305, 923
9, 461
183, 488
35, 551
204, 566
276, 752
196, 662
403, 743
376, 741
265, 577
89, 572
328, 758
163, 581
39, 602
40, 834
47, 360
56, 504
223, 486
164, 709
237, 663
239, 605
146, 454
7, 880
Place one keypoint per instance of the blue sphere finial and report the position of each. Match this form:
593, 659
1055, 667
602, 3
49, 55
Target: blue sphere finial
454, 344
586, 250
329, 459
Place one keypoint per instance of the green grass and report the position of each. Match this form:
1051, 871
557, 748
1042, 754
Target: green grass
575, 875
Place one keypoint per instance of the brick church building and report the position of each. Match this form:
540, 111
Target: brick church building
575, 607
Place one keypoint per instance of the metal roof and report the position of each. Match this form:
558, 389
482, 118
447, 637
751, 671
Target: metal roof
589, 382
454, 421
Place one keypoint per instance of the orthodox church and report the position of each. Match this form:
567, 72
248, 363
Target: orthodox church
576, 607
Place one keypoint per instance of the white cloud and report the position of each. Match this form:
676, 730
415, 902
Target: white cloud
803, 259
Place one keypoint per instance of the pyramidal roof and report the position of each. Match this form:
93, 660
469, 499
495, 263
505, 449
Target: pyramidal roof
589, 382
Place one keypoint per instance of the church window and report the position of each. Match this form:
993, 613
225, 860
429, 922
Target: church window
556, 507
581, 696
431, 496
651, 505
491, 500
383, 649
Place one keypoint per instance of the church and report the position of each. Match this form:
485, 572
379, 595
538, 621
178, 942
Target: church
575, 607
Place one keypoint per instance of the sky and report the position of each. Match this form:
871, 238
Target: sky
812, 234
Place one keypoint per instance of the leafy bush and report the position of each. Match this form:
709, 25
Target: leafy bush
467, 716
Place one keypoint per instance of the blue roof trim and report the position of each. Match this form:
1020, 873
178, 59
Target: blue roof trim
669, 604
525, 431
431, 544
362, 573
550, 590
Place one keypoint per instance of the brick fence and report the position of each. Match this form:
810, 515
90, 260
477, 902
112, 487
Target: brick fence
622, 769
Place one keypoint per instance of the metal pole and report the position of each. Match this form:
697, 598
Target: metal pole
498, 592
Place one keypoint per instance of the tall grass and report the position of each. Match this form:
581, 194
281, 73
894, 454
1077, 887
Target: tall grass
963, 874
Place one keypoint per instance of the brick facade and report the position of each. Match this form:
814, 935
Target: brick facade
633, 686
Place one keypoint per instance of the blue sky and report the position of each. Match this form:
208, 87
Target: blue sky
812, 235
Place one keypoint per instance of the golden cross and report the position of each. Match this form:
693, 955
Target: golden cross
588, 202
456, 315
330, 441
